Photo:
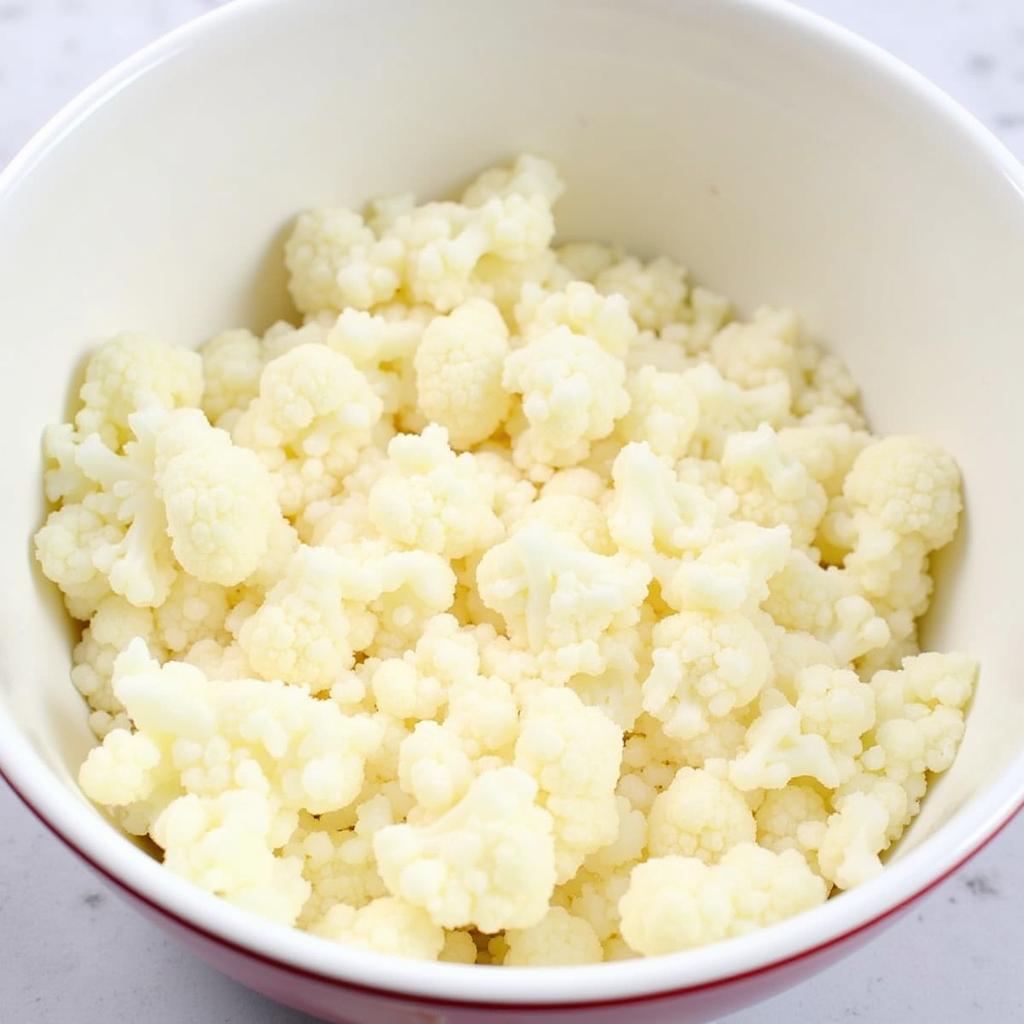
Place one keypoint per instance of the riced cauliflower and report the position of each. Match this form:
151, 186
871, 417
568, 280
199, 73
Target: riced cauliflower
519, 604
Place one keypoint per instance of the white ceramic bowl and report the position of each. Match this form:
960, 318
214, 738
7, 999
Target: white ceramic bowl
781, 158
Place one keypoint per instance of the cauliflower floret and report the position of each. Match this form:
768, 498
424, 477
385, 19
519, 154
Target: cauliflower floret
773, 488
334, 260
574, 753
131, 372
776, 751
225, 844
434, 768
852, 839
704, 667
410, 588
655, 291
416, 684
726, 408
823, 601
264, 735
123, 770
557, 938
459, 948
527, 176
312, 623
663, 411
459, 365
920, 714
572, 394
314, 413
384, 925
193, 611
581, 308
559, 598
835, 704
489, 862
569, 513
115, 538
677, 902
433, 500
827, 452
790, 819
732, 572
232, 364
220, 503
698, 816
653, 514
115, 624
761, 352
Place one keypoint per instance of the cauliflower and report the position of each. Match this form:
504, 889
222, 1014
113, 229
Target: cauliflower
557, 938
663, 411
698, 816
516, 605
489, 862
703, 667
772, 488
572, 394
385, 925
573, 752
556, 597
678, 902
131, 372
431, 499
581, 308
314, 413
459, 365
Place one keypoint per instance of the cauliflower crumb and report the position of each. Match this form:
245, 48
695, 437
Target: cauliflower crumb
518, 605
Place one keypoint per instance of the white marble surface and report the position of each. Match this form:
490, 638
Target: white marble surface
70, 951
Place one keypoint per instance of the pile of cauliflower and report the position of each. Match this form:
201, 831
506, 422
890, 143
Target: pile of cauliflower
520, 606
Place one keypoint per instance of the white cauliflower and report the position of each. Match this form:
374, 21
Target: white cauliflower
314, 413
699, 816
489, 862
572, 394
557, 938
678, 902
459, 366
430, 499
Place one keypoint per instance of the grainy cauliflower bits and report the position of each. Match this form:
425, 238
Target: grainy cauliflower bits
520, 606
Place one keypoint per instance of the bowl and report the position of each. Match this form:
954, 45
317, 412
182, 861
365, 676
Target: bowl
780, 157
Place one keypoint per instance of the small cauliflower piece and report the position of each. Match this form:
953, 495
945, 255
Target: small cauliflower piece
312, 623
459, 365
220, 504
434, 768
773, 489
225, 844
572, 394
557, 597
908, 485
763, 351
431, 499
676, 903
653, 514
581, 308
852, 839
704, 667
384, 925
131, 372
791, 819
699, 816
314, 413
655, 291
489, 862
232, 364
558, 938
574, 753
663, 411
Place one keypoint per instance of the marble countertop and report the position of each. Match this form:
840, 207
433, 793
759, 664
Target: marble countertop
71, 951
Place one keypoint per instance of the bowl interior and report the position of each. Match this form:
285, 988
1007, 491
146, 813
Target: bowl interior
780, 166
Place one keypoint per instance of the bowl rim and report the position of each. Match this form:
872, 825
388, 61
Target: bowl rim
69, 816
